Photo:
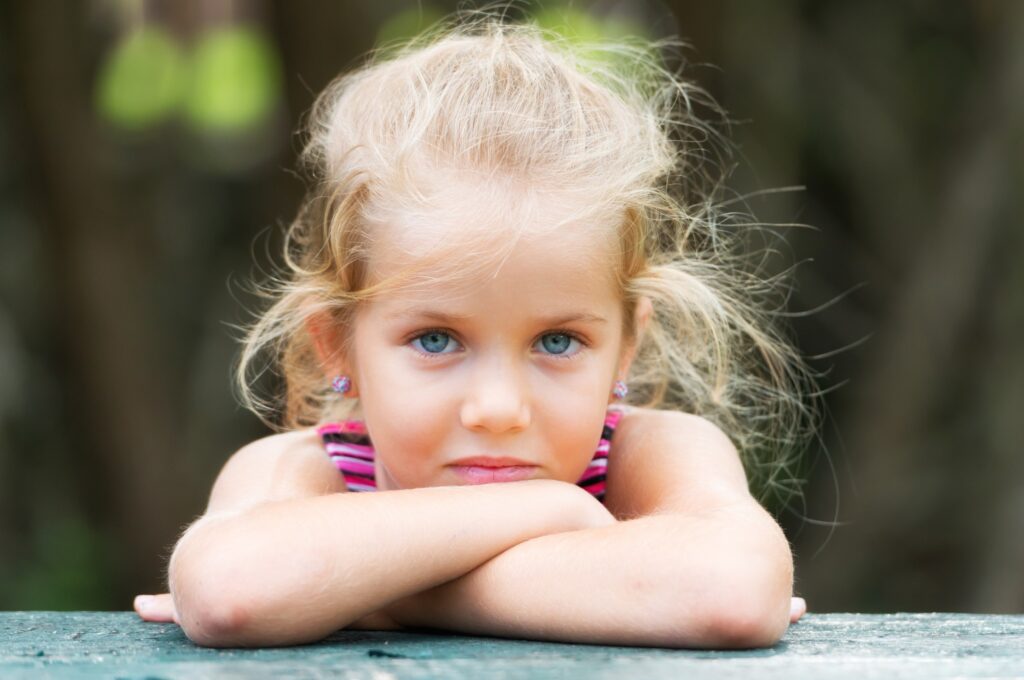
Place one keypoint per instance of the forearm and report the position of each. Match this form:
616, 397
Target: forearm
716, 581
294, 571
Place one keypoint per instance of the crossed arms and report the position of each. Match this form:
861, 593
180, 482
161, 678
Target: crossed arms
695, 565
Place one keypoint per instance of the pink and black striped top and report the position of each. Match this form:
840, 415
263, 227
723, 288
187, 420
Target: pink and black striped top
349, 447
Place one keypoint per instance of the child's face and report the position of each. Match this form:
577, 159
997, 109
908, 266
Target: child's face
514, 364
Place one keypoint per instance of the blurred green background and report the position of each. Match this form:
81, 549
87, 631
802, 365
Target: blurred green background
147, 156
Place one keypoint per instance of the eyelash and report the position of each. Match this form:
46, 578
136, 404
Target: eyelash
560, 357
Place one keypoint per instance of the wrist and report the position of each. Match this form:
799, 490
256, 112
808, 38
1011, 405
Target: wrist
587, 511
567, 507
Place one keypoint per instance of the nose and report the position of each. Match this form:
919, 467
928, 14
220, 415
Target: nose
496, 399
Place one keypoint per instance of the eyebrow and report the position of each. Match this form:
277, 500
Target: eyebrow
555, 320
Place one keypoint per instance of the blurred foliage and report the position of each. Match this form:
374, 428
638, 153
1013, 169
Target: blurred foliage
236, 80
588, 30
228, 82
143, 79
581, 26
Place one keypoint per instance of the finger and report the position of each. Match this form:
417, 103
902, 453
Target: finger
797, 608
156, 608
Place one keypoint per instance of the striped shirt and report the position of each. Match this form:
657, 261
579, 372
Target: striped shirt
349, 448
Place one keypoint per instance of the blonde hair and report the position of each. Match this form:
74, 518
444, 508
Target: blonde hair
608, 121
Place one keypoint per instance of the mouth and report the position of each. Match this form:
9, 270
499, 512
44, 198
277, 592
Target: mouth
477, 474
487, 469
492, 462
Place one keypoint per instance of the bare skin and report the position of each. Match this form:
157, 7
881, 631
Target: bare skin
678, 476
705, 455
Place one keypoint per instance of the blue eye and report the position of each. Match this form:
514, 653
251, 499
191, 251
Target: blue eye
558, 343
433, 342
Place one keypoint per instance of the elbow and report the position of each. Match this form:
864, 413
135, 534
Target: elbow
753, 598
746, 606
224, 597
749, 625
215, 624
733, 615
752, 611
207, 594
209, 615
739, 619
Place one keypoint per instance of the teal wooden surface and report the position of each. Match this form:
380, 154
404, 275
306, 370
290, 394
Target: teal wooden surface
864, 646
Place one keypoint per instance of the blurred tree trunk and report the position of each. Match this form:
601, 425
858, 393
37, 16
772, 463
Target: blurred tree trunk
120, 416
935, 501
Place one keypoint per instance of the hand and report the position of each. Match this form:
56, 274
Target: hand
156, 608
797, 608
568, 507
595, 514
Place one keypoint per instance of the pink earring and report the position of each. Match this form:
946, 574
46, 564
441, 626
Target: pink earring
620, 390
341, 384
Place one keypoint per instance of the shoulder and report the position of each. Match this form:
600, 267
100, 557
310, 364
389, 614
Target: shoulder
280, 449
647, 428
278, 467
672, 461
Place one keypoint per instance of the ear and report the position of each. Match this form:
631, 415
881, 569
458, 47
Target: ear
328, 341
641, 318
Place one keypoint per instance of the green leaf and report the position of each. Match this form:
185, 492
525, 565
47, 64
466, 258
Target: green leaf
236, 80
142, 80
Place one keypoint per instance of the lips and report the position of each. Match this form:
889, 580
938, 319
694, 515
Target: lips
492, 462
487, 469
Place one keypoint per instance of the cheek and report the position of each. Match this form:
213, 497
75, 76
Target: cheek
579, 388
413, 400
405, 416
401, 422
388, 385
572, 414
575, 441
407, 446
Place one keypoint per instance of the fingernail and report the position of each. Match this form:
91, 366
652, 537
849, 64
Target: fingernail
143, 601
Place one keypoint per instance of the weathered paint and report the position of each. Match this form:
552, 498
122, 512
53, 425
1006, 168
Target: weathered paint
862, 646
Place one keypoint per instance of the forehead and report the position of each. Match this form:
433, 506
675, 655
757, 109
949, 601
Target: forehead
463, 231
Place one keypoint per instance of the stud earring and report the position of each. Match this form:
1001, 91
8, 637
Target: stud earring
341, 384
620, 390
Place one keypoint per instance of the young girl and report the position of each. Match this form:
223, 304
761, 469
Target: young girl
509, 239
